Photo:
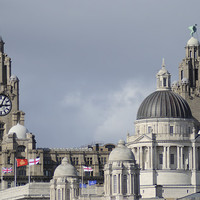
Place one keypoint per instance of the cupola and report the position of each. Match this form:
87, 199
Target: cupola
163, 78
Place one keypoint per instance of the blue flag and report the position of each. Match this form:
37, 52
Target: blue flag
92, 182
82, 185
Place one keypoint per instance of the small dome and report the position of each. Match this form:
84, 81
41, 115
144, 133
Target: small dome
193, 42
121, 153
19, 130
164, 104
13, 78
65, 169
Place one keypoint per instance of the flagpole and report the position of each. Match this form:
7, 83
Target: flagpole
82, 178
2, 179
15, 172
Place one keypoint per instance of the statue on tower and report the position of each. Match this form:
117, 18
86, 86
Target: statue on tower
193, 29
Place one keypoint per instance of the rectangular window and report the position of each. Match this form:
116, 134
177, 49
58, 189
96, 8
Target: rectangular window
149, 129
172, 159
164, 82
181, 74
8, 160
124, 186
171, 130
115, 183
160, 159
88, 160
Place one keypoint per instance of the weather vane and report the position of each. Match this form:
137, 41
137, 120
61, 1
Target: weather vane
193, 29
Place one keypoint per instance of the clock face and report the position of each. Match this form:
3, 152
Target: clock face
5, 105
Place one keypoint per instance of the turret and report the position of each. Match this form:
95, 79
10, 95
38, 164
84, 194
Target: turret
1, 45
163, 78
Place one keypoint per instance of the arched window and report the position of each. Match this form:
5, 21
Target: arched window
21, 148
115, 184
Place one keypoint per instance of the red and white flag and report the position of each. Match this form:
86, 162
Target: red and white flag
34, 161
87, 169
7, 170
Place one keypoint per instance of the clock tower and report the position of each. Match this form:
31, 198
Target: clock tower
10, 114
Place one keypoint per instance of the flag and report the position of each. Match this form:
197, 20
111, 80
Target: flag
87, 169
34, 161
7, 170
92, 182
82, 185
21, 162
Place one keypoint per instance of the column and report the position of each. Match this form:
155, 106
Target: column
181, 157
149, 158
168, 157
138, 155
194, 156
152, 156
178, 158
164, 158
120, 184
141, 158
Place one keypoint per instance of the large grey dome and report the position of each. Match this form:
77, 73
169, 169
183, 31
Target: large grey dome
164, 104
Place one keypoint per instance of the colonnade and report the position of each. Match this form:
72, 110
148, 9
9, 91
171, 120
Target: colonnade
116, 184
184, 157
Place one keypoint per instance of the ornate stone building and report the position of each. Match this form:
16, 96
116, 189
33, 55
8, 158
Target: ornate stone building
166, 141
17, 142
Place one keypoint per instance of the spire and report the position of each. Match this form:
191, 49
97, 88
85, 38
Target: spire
163, 63
163, 78
1, 45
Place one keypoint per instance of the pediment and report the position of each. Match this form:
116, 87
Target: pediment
144, 138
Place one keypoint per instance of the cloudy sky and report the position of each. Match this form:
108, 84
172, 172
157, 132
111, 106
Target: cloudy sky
85, 65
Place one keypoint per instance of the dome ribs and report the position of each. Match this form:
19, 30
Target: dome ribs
164, 104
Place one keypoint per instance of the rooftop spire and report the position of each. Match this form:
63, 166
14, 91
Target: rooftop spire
1, 45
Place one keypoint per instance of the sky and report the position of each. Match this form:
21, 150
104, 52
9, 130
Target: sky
85, 66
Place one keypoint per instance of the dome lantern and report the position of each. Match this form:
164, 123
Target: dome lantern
163, 78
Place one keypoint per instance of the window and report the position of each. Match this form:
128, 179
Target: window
59, 194
103, 160
21, 148
47, 160
88, 160
74, 160
8, 159
196, 74
115, 183
124, 186
172, 159
149, 129
9, 184
160, 159
164, 82
171, 130
181, 74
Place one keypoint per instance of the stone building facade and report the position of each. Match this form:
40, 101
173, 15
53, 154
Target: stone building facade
167, 138
17, 142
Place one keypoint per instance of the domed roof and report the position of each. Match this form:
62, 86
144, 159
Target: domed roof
20, 131
164, 104
65, 169
121, 153
193, 42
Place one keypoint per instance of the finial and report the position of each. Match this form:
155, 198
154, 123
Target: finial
193, 29
163, 62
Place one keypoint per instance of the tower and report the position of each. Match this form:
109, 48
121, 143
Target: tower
10, 114
188, 85
166, 143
